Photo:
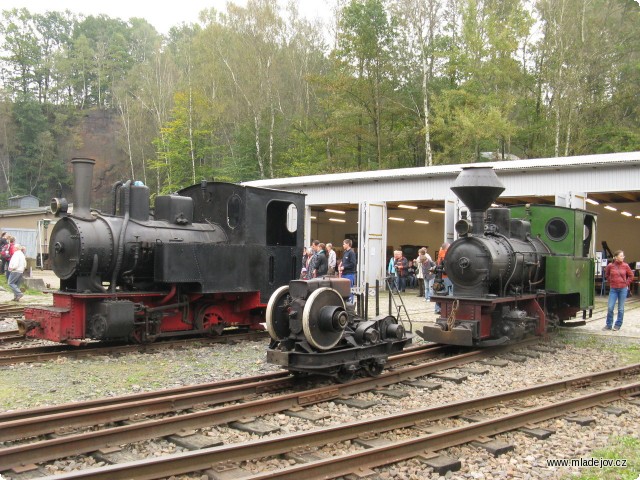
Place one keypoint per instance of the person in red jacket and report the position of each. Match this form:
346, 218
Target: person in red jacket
10, 251
619, 276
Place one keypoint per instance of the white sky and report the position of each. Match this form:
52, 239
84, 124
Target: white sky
161, 14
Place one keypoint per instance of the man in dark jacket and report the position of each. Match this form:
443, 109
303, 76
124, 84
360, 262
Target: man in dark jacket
349, 263
312, 266
401, 270
322, 262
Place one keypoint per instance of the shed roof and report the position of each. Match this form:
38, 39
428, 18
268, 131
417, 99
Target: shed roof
17, 212
580, 161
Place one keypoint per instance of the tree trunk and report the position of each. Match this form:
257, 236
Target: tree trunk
123, 107
556, 149
271, 128
568, 142
428, 154
256, 126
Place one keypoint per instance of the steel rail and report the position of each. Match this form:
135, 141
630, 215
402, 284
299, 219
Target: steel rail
411, 354
9, 334
402, 450
11, 338
11, 310
66, 417
396, 451
52, 352
87, 442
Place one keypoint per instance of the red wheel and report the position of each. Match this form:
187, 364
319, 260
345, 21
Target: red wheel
209, 320
139, 335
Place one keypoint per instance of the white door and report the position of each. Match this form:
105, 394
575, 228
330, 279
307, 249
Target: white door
578, 200
372, 236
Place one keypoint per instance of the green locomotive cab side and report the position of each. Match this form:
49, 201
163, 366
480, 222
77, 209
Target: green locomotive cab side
570, 236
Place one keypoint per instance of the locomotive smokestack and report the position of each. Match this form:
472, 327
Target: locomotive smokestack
82, 174
478, 188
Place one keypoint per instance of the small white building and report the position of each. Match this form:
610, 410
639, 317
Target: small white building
24, 201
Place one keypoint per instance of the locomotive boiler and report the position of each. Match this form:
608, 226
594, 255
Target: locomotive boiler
207, 258
314, 330
515, 271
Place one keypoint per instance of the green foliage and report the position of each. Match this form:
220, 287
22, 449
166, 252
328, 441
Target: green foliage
254, 91
37, 168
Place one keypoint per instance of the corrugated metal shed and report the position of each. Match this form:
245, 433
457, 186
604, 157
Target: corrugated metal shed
543, 176
24, 201
26, 237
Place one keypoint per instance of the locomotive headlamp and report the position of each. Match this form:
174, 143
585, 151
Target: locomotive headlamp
463, 227
59, 206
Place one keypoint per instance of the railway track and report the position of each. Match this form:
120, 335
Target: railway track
395, 451
416, 438
600, 311
41, 353
11, 310
203, 409
9, 336
66, 417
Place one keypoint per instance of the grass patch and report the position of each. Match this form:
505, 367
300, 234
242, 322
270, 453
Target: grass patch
628, 352
627, 448
62, 382
30, 291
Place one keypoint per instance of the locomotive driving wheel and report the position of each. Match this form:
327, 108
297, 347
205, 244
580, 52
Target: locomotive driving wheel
373, 368
345, 374
277, 314
139, 335
553, 322
209, 320
324, 318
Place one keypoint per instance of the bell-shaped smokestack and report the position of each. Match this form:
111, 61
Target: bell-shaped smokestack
478, 188
83, 175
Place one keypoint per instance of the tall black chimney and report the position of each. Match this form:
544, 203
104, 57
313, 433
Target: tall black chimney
478, 188
83, 175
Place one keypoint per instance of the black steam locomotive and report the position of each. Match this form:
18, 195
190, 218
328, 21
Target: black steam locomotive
515, 271
208, 258
315, 330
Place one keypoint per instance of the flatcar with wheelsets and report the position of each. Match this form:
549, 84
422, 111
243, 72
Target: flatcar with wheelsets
516, 271
316, 330
207, 259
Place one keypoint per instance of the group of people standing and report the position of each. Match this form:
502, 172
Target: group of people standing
402, 272
14, 263
320, 259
